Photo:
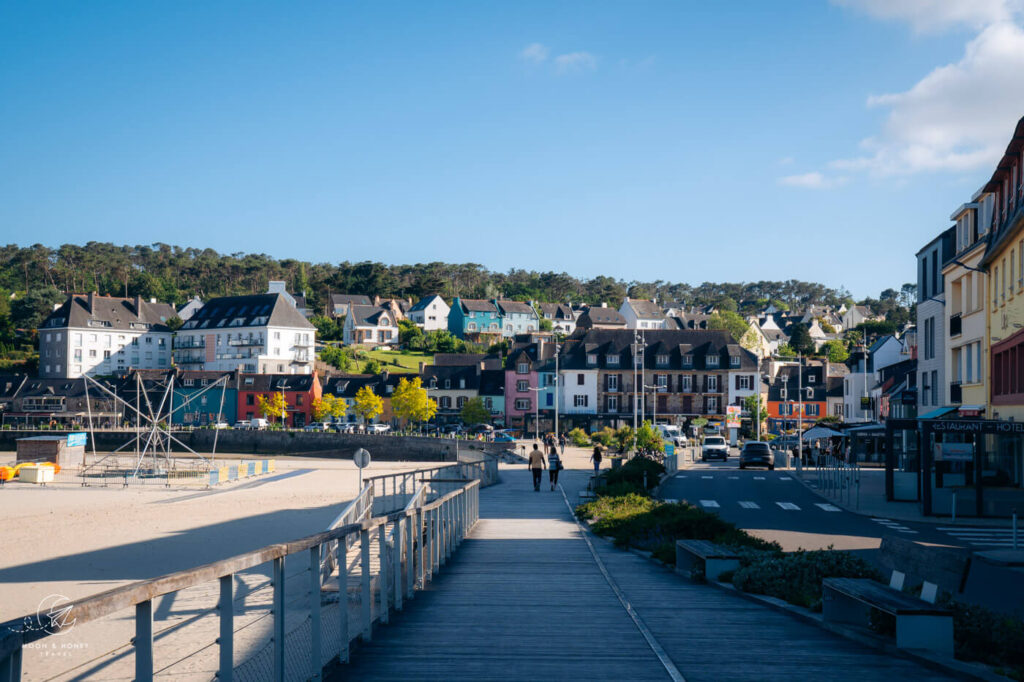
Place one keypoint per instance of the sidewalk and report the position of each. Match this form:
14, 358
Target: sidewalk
525, 598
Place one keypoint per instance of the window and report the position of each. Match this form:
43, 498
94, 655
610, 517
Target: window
106, 355
743, 382
78, 337
613, 382
661, 381
522, 404
613, 403
447, 383
250, 399
925, 391
712, 383
969, 364
460, 401
687, 361
522, 385
662, 360
298, 400
712, 403
734, 361
523, 368
935, 387
580, 379
444, 402
686, 383
612, 360
711, 360
579, 400
812, 410
591, 358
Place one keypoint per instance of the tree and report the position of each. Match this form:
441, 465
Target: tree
338, 358
372, 366
272, 406
410, 401
409, 334
836, 351
174, 323
329, 406
755, 407
546, 325
786, 351
800, 339
475, 412
647, 438
730, 322
368, 404
625, 437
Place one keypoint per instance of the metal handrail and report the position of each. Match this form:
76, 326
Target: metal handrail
440, 525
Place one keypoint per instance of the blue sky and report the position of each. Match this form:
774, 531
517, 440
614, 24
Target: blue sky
682, 141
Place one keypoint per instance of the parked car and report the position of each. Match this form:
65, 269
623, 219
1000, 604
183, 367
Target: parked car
349, 428
504, 437
714, 446
219, 425
242, 425
672, 434
258, 423
757, 453
378, 428
317, 426
453, 428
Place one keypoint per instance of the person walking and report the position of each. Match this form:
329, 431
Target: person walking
561, 442
596, 459
554, 466
536, 466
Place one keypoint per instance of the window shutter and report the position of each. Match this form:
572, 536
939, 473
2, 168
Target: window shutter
620, 383
737, 382
607, 381
705, 388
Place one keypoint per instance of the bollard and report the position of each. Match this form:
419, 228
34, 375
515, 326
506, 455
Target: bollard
954, 505
1015, 528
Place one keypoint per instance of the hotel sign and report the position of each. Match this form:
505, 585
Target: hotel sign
981, 426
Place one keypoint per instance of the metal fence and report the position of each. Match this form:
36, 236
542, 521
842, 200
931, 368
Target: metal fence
270, 614
839, 479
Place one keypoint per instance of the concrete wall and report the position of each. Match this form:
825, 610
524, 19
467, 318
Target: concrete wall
342, 446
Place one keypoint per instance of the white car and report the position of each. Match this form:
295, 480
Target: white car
317, 426
714, 447
378, 428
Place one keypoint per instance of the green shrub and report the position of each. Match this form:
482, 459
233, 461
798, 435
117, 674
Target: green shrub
579, 438
796, 577
633, 471
983, 635
638, 521
605, 437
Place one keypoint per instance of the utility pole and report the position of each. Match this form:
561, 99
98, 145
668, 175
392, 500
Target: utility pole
557, 380
800, 410
536, 411
757, 394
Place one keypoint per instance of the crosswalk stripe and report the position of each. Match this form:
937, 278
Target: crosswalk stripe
707, 476
904, 530
789, 506
785, 478
708, 503
758, 478
734, 478
828, 507
746, 504
680, 476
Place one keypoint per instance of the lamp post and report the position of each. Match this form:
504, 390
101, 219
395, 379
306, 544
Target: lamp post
557, 380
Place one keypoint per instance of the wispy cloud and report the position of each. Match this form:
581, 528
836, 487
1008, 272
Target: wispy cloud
535, 53
812, 180
575, 61
934, 16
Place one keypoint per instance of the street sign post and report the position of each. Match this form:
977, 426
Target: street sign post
361, 458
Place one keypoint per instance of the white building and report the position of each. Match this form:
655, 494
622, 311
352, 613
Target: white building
862, 381
370, 325
561, 316
262, 334
430, 313
931, 321
642, 314
577, 393
103, 335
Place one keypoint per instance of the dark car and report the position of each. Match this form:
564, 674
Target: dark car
756, 453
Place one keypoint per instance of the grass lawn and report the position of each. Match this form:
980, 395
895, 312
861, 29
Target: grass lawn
397, 363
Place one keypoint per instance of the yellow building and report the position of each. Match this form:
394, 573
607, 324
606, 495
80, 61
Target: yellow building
1004, 260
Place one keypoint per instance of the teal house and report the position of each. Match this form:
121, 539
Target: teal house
198, 398
472, 318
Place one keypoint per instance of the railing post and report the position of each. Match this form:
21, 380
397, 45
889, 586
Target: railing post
279, 618
397, 544
342, 554
382, 573
226, 641
144, 640
366, 602
435, 559
315, 660
421, 539
410, 551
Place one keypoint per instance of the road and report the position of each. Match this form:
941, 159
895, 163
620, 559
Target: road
775, 506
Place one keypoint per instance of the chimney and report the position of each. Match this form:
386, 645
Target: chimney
423, 366
384, 375
604, 304
92, 300
138, 305
152, 300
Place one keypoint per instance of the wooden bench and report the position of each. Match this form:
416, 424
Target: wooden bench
919, 625
694, 555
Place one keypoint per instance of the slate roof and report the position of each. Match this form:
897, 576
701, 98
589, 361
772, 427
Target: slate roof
601, 316
370, 315
347, 385
675, 343
453, 374
258, 310
556, 311
424, 302
476, 305
350, 299
10, 384
492, 382
134, 314
276, 382
645, 309
517, 307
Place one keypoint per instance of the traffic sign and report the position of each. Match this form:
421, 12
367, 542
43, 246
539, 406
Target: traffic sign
361, 458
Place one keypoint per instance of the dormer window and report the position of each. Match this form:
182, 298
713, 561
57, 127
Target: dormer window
810, 393
810, 378
712, 360
523, 368
662, 360
734, 361
612, 360
687, 361
591, 358
462, 383
433, 382
447, 383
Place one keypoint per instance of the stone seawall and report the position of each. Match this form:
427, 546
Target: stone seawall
339, 445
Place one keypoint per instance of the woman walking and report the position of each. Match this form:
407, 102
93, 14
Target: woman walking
596, 459
554, 466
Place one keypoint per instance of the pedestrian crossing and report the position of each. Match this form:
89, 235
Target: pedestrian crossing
750, 504
828, 507
977, 536
894, 525
788, 506
747, 504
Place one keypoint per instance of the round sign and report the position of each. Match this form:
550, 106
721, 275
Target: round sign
361, 458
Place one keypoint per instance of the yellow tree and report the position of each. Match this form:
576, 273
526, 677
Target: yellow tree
410, 402
328, 406
368, 404
272, 406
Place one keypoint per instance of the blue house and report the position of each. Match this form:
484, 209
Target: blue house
197, 401
473, 318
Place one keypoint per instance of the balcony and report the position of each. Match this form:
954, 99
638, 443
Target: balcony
955, 325
189, 343
245, 342
956, 392
190, 360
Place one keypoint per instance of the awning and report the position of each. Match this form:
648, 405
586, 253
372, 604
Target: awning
935, 414
866, 430
971, 410
819, 432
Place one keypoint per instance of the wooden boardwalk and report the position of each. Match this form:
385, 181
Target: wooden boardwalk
524, 599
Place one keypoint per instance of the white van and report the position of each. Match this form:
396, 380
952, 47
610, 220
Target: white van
258, 423
672, 434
